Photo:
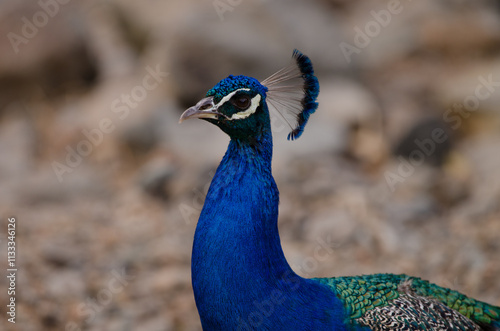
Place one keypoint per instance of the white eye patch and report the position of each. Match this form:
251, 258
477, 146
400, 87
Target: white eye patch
243, 114
229, 96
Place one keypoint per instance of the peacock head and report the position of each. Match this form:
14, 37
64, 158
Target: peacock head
238, 105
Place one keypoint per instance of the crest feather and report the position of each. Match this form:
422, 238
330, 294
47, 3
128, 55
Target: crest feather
292, 92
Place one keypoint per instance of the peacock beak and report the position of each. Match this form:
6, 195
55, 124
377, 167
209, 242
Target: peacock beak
205, 108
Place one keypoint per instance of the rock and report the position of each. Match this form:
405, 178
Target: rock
429, 140
207, 51
155, 175
380, 33
470, 95
64, 283
18, 141
45, 54
460, 29
141, 137
347, 103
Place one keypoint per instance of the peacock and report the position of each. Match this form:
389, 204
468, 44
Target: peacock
240, 277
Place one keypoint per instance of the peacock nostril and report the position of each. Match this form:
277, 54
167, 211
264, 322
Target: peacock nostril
206, 106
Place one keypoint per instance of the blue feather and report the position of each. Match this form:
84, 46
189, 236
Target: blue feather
232, 83
311, 91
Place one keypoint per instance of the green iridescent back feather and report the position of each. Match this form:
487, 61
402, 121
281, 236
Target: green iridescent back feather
361, 294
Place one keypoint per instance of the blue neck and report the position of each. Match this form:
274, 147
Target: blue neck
240, 216
241, 279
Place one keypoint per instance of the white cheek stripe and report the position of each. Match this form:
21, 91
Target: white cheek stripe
229, 96
244, 114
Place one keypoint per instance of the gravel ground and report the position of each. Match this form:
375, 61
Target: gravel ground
397, 171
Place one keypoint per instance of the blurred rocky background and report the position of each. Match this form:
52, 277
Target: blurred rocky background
398, 171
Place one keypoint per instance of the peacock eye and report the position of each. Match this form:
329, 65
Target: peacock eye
242, 102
